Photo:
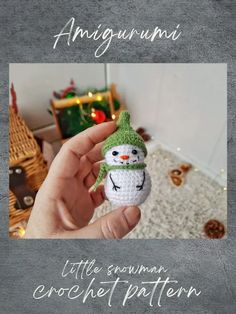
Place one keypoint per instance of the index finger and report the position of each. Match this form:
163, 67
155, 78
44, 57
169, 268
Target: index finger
66, 163
82, 143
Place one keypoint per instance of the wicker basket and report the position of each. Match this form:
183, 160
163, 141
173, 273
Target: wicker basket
24, 151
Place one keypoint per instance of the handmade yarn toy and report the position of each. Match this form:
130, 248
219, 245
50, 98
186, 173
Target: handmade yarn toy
127, 181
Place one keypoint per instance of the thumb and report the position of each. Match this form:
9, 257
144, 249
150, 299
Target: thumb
114, 225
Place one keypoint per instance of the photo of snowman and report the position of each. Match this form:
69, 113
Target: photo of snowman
156, 149
127, 181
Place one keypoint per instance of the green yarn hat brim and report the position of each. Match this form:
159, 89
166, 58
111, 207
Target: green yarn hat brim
124, 134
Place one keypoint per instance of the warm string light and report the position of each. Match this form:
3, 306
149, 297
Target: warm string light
99, 98
113, 117
21, 232
90, 94
222, 171
93, 114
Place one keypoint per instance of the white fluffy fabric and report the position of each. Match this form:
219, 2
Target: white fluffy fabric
128, 193
171, 212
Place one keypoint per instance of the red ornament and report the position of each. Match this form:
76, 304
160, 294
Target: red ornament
98, 116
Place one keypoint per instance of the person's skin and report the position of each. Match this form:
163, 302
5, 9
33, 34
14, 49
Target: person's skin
65, 204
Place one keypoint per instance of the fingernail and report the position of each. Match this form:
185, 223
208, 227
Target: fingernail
132, 215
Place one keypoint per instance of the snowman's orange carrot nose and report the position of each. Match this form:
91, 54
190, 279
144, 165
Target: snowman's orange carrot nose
124, 157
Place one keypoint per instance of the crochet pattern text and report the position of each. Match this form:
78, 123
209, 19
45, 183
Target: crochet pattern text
86, 283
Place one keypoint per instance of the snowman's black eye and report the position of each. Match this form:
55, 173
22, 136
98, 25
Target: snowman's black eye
134, 152
115, 153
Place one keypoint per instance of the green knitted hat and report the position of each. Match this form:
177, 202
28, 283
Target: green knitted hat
124, 134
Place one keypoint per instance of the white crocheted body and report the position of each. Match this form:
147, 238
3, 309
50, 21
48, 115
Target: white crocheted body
127, 187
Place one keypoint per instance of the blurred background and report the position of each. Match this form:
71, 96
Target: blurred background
179, 109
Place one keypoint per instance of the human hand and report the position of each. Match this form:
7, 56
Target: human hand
65, 204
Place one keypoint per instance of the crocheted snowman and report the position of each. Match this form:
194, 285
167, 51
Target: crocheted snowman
127, 181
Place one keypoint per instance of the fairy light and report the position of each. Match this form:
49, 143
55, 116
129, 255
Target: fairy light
222, 170
225, 188
93, 114
90, 94
99, 98
113, 117
21, 232
78, 101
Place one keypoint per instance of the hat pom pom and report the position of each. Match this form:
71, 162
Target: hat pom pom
124, 120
